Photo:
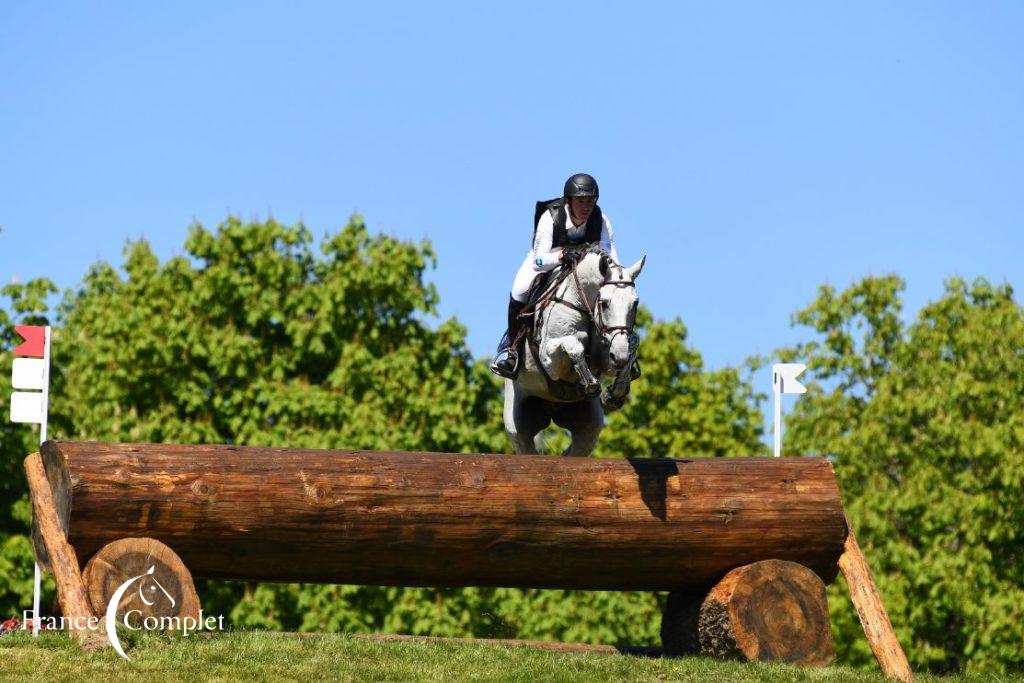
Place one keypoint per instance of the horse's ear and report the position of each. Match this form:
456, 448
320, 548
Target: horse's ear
634, 270
604, 265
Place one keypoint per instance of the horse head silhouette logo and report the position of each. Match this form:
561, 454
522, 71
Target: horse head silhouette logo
148, 585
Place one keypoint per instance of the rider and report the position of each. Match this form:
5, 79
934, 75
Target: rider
586, 225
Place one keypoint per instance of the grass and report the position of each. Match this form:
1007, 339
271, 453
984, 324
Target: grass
255, 656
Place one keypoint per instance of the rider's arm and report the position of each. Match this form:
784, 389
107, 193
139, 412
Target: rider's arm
608, 239
544, 256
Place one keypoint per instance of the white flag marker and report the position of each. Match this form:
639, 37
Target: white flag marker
27, 406
784, 382
29, 371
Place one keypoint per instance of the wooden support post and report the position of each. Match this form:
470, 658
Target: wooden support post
873, 617
62, 559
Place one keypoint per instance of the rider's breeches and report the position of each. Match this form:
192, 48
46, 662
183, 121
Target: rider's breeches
524, 278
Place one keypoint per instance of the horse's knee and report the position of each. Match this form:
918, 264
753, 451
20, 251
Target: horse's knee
573, 348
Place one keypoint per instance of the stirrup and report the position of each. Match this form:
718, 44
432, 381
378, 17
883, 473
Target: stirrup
506, 367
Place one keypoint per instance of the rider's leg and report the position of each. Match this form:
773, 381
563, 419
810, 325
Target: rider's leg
505, 360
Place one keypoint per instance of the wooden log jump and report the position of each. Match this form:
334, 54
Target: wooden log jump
435, 519
439, 519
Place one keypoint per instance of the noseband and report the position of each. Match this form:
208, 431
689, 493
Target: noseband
599, 325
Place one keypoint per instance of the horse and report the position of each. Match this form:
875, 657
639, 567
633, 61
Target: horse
583, 330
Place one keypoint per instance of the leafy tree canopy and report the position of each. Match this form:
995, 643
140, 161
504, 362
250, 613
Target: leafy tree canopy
925, 423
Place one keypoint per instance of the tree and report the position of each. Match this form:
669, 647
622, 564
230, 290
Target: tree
677, 408
254, 339
925, 424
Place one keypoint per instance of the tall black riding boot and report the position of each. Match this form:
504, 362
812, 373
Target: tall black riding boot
506, 358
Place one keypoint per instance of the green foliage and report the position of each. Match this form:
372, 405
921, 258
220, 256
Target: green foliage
677, 409
255, 339
925, 424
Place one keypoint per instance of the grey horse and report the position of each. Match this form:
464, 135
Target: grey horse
584, 332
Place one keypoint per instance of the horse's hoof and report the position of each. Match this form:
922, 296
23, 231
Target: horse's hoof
634, 371
610, 404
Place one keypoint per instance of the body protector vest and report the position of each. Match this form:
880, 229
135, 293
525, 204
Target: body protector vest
559, 216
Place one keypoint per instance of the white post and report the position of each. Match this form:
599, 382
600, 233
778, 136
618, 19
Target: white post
784, 382
777, 390
37, 579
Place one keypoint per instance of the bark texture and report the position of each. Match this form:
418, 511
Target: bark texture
62, 561
434, 519
772, 611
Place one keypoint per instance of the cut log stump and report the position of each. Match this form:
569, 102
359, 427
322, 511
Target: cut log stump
769, 611
164, 589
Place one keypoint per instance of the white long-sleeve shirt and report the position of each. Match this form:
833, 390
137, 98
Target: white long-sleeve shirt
544, 259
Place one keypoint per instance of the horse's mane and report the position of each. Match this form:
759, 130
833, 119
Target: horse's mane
596, 249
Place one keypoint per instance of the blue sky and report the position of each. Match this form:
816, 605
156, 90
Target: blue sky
754, 151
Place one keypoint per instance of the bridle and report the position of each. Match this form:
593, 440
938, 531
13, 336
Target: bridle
598, 316
592, 312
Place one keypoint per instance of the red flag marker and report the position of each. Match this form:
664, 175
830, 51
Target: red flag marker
34, 337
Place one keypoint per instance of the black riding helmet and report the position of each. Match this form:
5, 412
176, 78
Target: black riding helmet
581, 185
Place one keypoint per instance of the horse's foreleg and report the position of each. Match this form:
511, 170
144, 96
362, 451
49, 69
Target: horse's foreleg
573, 349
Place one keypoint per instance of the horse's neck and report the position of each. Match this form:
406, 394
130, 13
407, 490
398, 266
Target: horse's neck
586, 278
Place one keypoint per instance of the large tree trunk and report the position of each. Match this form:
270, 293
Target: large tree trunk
432, 519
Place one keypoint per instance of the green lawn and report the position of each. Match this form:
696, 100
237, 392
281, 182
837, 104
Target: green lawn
262, 656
